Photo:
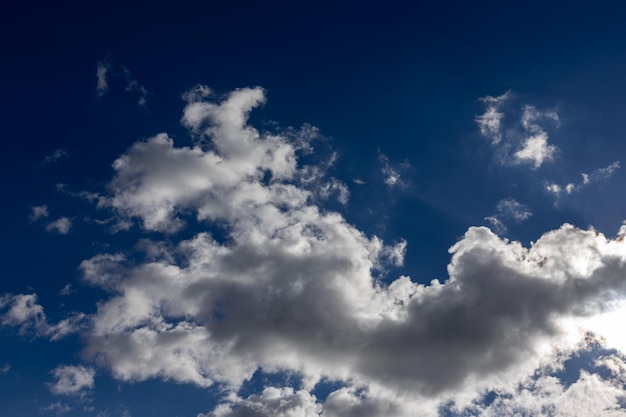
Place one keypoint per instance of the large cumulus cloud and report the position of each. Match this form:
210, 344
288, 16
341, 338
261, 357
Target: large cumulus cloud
279, 283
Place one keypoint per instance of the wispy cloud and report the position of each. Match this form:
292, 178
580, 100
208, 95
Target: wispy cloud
595, 176
38, 212
490, 122
55, 156
106, 69
102, 75
508, 209
391, 172
523, 142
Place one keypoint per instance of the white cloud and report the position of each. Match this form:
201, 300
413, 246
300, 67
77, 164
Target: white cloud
38, 212
535, 149
272, 402
5, 368
61, 225
597, 175
25, 312
391, 172
72, 380
287, 286
529, 145
589, 396
490, 122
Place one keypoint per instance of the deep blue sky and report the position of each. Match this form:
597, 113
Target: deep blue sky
377, 78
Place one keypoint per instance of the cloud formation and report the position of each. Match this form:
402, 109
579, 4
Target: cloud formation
521, 143
278, 283
23, 311
72, 380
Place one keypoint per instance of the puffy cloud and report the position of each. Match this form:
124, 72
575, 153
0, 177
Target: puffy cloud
72, 380
588, 395
284, 285
535, 148
61, 225
272, 402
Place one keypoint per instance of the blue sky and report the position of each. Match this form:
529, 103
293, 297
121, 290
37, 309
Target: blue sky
315, 209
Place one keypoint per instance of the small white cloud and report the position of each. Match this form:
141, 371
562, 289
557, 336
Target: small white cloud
358, 181
72, 380
5, 368
391, 173
490, 122
597, 175
39, 212
535, 150
553, 188
61, 226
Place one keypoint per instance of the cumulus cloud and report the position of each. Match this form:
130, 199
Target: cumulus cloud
61, 225
72, 380
508, 209
285, 285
